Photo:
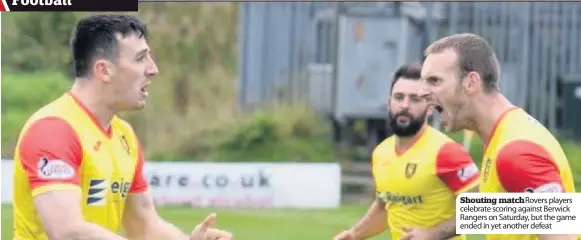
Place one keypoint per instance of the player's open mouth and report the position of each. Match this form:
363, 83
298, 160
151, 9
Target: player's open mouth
403, 120
143, 90
439, 109
443, 116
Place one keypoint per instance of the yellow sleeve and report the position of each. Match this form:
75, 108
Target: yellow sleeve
52, 187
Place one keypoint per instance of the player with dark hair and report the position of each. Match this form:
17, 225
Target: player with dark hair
461, 73
78, 168
418, 172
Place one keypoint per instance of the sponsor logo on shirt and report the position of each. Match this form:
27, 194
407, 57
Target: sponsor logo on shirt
389, 197
54, 169
487, 165
466, 173
552, 187
98, 189
97, 192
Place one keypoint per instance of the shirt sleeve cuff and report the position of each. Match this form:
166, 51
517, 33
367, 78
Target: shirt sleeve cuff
52, 187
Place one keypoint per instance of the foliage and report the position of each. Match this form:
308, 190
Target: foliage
22, 94
275, 134
36, 41
573, 152
282, 133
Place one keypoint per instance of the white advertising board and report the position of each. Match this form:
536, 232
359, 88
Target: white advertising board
262, 185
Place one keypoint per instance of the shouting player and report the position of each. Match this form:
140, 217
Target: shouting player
78, 170
418, 172
461, 73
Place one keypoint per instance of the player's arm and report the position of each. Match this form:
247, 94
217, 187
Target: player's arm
557, 237
524, 166
455, 167
55, 181
141, 220
373, 223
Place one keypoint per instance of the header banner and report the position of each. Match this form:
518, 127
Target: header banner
69, 6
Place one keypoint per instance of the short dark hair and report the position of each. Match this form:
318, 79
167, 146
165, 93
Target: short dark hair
475, 54
412, 71
95, 37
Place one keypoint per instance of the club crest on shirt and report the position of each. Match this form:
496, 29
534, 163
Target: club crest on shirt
124, 143
410, 169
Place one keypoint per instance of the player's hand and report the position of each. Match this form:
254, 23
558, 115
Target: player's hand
204, 230
346, 235
419, 234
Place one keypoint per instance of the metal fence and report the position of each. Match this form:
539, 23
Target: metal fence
339, 56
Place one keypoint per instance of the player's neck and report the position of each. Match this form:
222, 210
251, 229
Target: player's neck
402, 144
488, 109
93, 100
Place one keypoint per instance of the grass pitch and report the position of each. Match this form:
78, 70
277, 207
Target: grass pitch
271, 224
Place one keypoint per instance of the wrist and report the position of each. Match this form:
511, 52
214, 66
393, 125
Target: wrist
440, 233
355, 233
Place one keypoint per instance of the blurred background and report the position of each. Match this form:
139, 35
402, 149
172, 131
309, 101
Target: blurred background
302, 86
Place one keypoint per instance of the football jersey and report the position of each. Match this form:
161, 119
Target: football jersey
419, 186
63, 147
523, 156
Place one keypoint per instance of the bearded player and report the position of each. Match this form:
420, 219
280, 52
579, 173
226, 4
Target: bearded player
78, 170
418, 172
461, 73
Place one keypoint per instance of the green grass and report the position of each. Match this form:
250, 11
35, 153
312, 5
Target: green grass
279, 224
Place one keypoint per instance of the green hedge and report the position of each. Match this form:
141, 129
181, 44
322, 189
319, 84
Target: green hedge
22, 94
282, 134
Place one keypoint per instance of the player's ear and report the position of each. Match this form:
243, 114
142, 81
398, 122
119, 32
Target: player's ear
472, 83
103, 70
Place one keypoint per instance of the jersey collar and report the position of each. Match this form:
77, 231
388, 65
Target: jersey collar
107, 132
497, 123
414, 142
